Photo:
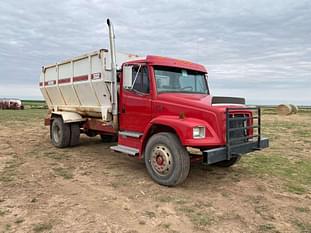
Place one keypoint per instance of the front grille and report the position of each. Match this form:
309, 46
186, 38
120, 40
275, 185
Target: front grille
243, 135
239, 124
242, 126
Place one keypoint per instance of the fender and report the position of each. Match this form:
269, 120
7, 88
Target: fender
69, 117
184, 130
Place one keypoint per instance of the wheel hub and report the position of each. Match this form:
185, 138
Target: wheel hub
161, 160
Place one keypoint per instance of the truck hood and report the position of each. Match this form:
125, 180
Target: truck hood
203, 107
203, 101
194, 100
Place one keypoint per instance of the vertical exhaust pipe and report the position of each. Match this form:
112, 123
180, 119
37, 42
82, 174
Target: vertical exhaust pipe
114, 76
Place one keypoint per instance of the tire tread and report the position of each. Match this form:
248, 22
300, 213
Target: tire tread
65, 128
181, 155
74, 134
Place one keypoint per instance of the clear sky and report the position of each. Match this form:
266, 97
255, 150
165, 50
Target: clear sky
257, 49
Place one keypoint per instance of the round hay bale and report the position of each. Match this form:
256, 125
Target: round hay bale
284, 109
294, 108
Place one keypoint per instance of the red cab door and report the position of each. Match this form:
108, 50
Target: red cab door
135, 103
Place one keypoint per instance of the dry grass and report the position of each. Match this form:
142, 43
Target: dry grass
91, 189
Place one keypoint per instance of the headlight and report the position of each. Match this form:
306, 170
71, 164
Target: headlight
199, 132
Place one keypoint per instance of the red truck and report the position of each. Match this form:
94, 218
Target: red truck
158, 109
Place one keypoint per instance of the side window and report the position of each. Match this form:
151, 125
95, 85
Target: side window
140, 79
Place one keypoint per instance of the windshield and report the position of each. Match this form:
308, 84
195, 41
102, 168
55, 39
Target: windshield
171, 79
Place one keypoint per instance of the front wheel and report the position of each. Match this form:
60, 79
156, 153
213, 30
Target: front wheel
228, 163
166, 160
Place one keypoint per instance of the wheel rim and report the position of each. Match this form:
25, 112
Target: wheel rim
161, 160
56, 133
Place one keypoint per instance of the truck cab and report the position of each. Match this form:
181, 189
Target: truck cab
154, 108
167, 101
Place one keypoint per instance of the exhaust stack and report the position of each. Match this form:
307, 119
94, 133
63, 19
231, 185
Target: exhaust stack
114, 75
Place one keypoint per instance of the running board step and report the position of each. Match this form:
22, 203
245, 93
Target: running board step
130, 134
125, 149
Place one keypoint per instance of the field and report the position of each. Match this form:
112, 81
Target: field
34, 104
91, 189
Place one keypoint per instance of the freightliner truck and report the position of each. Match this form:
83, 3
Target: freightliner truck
157, 109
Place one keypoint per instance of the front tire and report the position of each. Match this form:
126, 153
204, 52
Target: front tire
166, 160
228, 163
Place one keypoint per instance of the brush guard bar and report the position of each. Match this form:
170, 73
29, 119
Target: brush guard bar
240, 145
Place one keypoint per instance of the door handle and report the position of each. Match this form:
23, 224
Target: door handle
123, 108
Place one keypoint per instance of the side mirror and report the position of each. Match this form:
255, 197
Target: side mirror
127, 77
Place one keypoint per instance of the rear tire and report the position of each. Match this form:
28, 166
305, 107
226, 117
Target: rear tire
91, 133
108, 138
166, 160
228, 163
74, 134
60, 133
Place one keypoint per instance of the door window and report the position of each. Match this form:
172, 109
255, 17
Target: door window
140, 79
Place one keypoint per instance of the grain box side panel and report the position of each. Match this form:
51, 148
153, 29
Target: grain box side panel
51, 86
65, 84
43, 90
82, 83
98, 81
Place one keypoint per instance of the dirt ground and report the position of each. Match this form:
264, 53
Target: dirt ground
91, 189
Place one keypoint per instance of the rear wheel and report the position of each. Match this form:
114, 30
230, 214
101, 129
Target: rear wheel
108, 138
228, 163
91, 133
60, 133
74, 134
167, 161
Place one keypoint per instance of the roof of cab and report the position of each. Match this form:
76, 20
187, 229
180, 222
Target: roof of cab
166, 61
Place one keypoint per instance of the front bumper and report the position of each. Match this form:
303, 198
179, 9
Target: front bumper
220, 154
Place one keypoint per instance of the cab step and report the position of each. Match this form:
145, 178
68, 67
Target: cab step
130, 134
125, 149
